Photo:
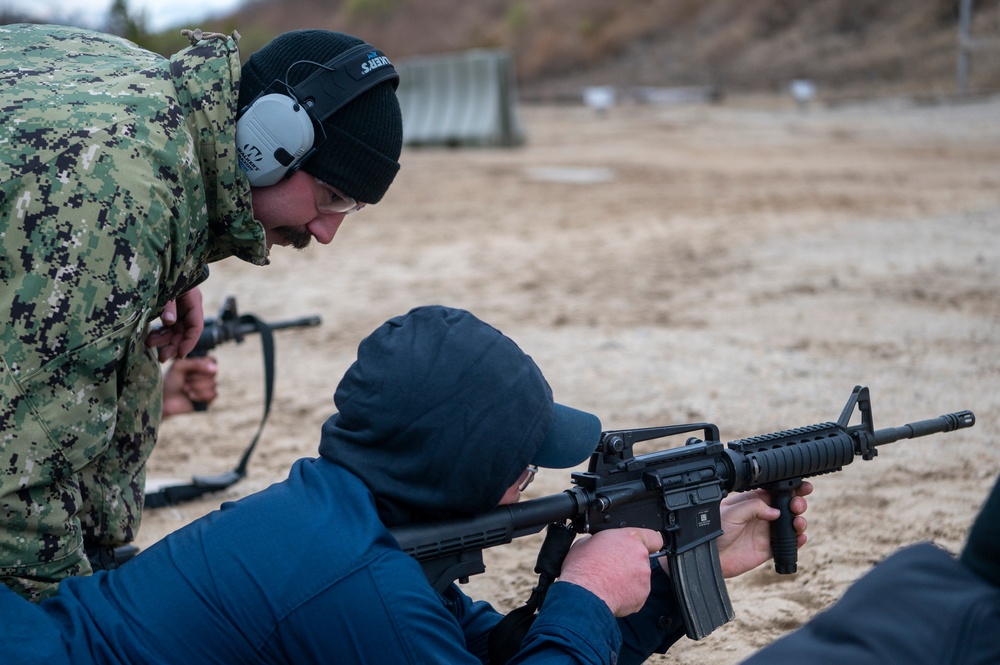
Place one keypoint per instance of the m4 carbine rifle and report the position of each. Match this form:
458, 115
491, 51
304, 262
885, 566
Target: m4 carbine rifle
677, 492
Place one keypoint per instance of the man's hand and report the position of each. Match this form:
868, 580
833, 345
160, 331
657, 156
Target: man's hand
746, 523
614, 566
188, 380
183, 320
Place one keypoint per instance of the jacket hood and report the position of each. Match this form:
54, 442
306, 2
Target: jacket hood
207, 78
440, 414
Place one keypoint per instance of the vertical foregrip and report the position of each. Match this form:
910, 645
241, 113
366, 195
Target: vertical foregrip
784, 540
778, 463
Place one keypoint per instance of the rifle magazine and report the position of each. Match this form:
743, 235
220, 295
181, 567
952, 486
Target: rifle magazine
701, 590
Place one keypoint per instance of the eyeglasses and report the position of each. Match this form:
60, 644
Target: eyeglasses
531, 471
331, 201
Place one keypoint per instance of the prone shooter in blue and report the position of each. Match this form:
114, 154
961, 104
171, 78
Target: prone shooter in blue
441, 419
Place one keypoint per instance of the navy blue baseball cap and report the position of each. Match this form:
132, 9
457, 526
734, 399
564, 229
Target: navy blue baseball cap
572, 437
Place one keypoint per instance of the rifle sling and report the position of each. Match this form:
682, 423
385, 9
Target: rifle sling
507, 635
199, 485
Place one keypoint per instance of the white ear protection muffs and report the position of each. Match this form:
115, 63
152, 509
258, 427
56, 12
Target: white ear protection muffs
272, 136
276, 133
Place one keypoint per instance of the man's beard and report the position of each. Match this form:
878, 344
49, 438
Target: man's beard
296, 237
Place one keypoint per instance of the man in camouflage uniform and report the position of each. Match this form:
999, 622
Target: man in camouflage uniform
119, 182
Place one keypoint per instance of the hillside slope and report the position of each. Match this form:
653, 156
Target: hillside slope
847, 46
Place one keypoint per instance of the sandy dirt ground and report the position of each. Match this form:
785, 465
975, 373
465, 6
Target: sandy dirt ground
745, 264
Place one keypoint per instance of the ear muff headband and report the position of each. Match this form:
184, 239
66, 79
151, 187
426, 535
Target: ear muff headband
276, 134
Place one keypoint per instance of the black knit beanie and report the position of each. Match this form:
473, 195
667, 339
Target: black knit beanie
363, 139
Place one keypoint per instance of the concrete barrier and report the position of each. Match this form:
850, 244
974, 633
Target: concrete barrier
463, 99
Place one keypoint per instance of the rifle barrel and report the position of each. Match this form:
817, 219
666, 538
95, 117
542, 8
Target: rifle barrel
304, 322
248, 328
946, 423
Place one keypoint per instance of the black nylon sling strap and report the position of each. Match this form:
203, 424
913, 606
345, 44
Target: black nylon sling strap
199, 485
506, 637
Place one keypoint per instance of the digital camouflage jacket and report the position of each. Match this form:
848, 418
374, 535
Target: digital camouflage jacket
118, 184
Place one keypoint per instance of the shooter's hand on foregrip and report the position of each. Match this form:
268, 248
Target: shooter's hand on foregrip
818, 449
187, 383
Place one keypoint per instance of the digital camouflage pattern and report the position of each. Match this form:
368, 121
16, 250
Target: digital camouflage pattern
118, 183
